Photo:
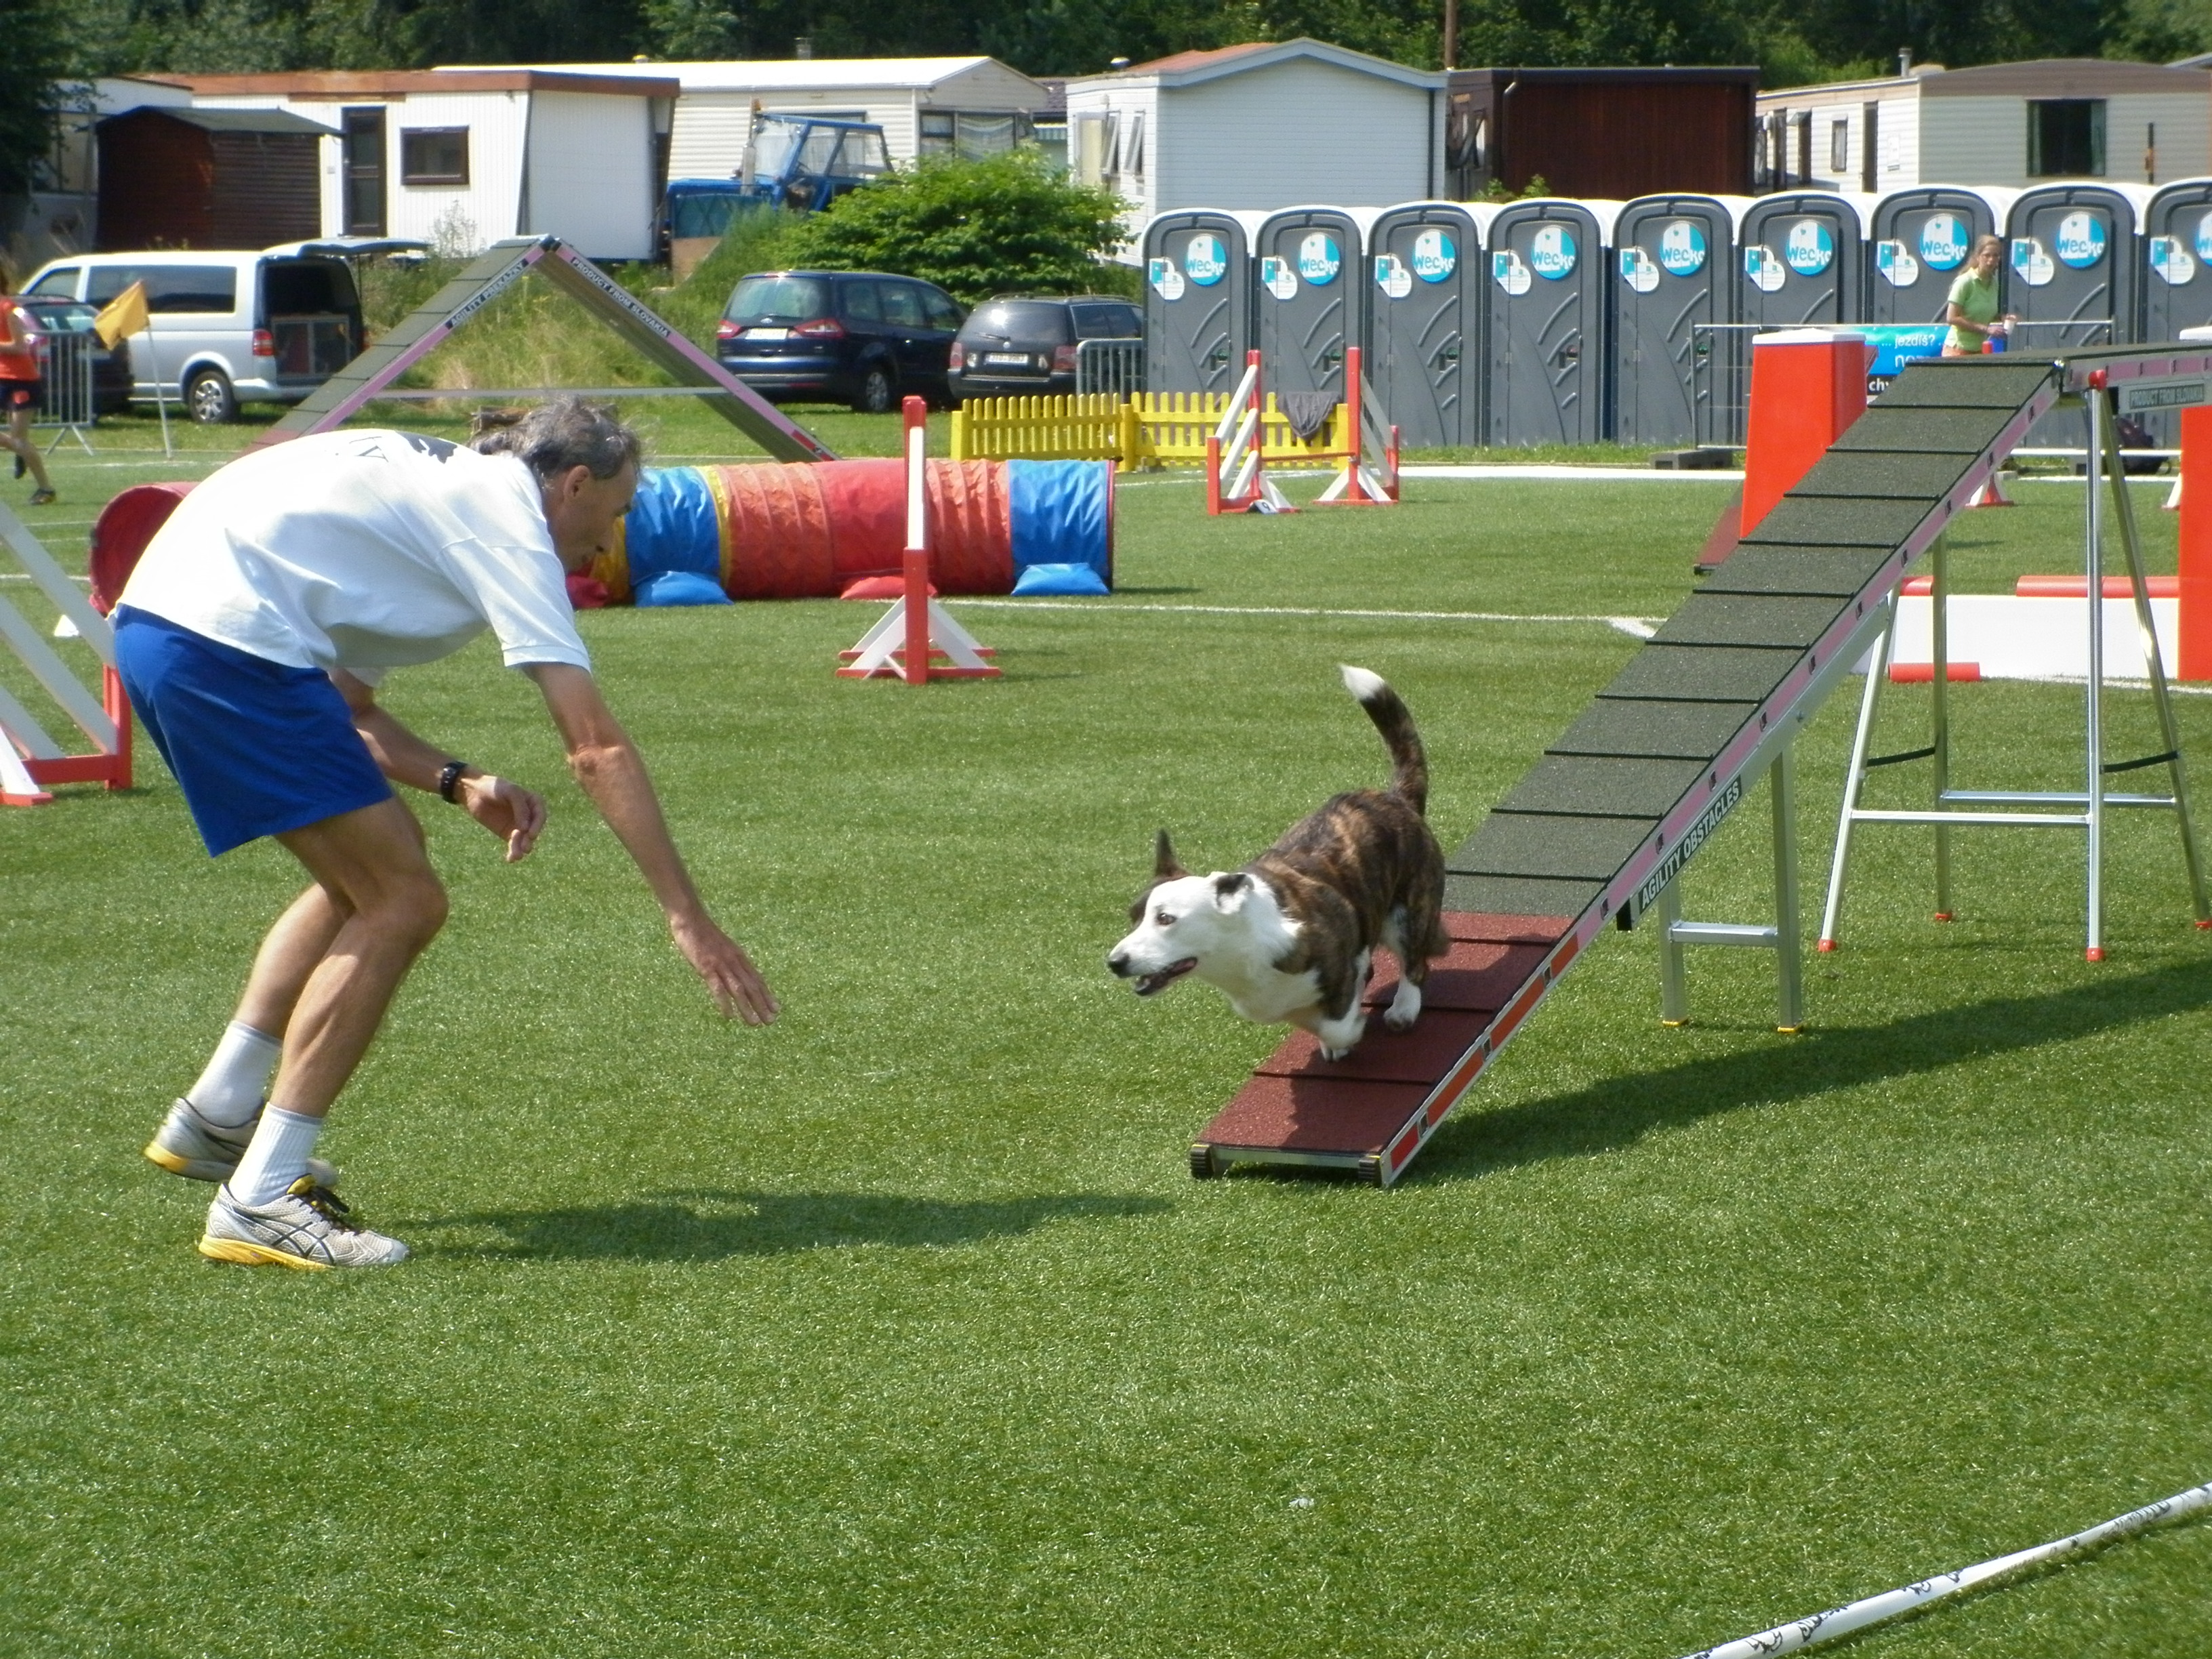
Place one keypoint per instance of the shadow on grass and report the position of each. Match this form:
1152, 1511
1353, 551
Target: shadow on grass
1620, 1111
709, 1225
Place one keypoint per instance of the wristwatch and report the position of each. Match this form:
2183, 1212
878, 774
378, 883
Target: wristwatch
449, 777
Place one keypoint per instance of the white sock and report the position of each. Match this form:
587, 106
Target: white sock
276, 1158
230, 1091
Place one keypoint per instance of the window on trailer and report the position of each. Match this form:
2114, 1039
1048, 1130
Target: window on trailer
2066, 138
1050, 134
1840, 151
434, 156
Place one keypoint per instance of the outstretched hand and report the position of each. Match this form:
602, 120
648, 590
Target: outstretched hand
512, 813
731, 980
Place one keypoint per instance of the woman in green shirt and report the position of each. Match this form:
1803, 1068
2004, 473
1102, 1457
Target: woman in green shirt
1972, 310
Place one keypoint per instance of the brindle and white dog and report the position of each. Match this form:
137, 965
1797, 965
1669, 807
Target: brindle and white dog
1292, 936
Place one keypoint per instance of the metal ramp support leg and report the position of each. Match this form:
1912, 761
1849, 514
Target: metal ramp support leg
1784, 937
2084, 809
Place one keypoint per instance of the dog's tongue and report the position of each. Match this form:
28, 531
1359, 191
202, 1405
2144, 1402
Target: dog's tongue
1154, 983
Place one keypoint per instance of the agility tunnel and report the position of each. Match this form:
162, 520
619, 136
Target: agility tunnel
812, 531
700, 534
1597, 832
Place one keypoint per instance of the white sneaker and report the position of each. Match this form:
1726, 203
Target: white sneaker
308, 1228
188, 1145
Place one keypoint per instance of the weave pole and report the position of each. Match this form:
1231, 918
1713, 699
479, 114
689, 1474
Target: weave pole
1839, 1622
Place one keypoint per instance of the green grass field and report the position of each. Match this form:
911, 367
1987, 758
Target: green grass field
899, 1329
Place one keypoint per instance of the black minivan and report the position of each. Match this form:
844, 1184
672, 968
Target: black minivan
1012, 346
853, 337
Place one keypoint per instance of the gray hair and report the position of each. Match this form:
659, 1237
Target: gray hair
555, 436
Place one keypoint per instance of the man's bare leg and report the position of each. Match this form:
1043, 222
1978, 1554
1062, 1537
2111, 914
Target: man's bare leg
388, 905
380, 904
293, 950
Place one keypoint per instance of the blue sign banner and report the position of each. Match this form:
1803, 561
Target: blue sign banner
1898, 343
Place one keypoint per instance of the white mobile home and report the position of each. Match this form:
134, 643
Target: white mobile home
462, 159
61, 216
1267, 125
925, 106
2013, 125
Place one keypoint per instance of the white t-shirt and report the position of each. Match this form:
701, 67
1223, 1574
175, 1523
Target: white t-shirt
365, 551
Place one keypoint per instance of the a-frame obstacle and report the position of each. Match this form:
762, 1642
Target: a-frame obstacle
423, 331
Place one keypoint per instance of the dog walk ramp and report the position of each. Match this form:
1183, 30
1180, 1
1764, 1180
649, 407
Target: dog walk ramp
473, 288
1600, 827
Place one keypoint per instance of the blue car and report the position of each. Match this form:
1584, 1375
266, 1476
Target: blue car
860, 337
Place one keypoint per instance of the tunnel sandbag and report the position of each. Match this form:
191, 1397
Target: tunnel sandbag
810, 531
1061, 513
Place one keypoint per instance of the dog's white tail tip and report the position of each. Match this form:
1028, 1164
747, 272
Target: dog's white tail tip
1361, 683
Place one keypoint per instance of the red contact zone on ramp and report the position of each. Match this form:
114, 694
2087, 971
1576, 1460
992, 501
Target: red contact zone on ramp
1350, 1113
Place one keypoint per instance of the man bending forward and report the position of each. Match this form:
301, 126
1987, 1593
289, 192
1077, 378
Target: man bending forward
251, 638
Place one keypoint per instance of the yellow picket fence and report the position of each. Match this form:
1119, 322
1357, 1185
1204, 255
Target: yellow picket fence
1150, 428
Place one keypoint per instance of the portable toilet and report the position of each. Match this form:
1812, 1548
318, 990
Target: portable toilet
2070, 265
1308, 300
1800, 259
1545, 320
1918, 241
2175, 290
2069, 276
1424, 345
1675, 369
1198, 299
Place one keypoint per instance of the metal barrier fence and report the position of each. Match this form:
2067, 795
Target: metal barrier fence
1111, 367
65, 386
1722, 352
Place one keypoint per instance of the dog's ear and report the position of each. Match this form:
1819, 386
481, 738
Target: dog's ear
1165, 866
1230, 891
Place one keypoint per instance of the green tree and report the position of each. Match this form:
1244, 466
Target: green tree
974, 228
35, 53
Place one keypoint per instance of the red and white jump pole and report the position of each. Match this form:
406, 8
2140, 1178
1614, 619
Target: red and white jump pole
916, 627
1360, 484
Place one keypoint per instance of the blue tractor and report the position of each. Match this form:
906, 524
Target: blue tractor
803, 162
796, 161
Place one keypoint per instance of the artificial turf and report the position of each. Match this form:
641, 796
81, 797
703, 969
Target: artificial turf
898, 1327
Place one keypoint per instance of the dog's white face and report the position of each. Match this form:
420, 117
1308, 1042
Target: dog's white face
1182, 921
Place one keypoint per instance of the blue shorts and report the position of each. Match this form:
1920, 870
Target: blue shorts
258, 748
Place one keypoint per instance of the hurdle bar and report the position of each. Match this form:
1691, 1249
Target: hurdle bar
29, 756
1839, 1622
916, 627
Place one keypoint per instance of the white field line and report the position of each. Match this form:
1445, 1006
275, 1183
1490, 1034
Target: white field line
1626, 625
1539, 472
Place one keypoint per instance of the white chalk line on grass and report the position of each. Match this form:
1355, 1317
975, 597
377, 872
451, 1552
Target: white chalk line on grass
1563, 472
1636, 626
1895, 1604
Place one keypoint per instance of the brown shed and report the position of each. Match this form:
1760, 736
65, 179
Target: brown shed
1602, 132
208, 178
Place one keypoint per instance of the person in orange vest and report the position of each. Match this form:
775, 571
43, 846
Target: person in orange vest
19, 390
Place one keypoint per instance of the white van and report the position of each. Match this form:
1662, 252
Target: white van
228, 328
